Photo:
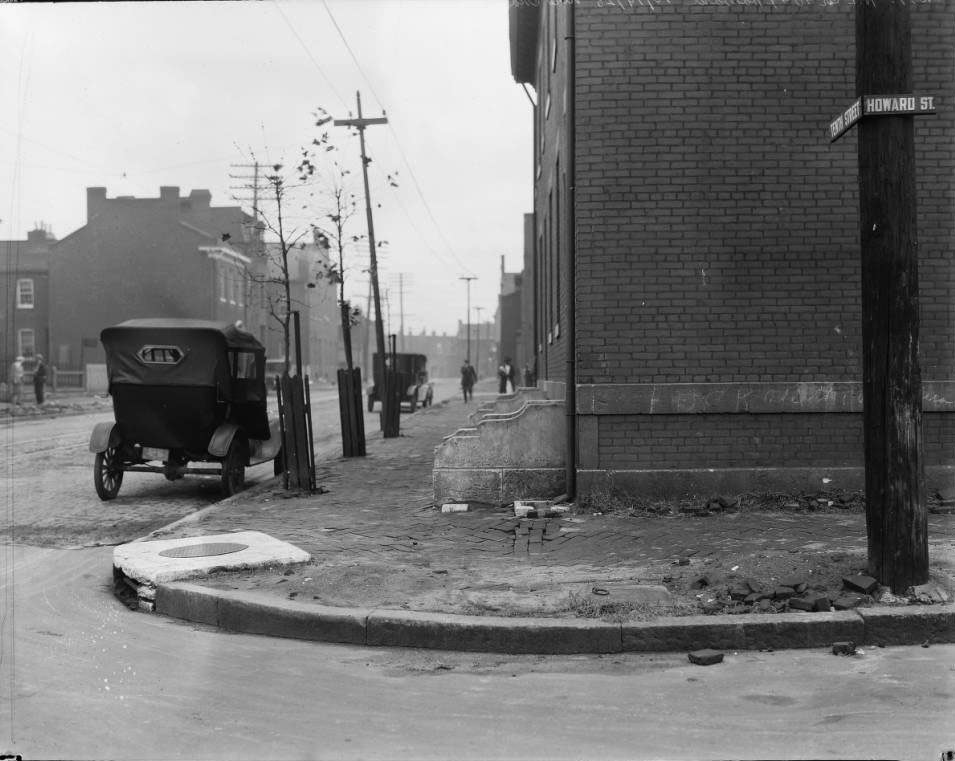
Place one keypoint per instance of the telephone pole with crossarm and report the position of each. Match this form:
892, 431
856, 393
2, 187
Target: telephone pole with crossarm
360, 124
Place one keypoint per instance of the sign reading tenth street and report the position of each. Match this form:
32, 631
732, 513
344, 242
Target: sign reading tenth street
880, 105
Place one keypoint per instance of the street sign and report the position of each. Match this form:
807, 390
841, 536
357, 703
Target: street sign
889, 105
841, 124
880, 105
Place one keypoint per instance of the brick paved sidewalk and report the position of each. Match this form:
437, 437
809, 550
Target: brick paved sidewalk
377, 540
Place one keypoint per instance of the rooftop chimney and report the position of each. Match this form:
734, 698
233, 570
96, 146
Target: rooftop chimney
169, 193
200, 199
95, 198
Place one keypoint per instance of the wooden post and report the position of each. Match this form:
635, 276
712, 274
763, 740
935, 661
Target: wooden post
896, 516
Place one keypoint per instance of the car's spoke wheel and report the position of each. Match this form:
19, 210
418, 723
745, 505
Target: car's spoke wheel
233, 469
107, 474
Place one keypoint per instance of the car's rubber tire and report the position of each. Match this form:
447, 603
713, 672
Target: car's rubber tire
233, 468
107, 478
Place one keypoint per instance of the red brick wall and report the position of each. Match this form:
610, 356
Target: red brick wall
132, 259
550, 223
718, 225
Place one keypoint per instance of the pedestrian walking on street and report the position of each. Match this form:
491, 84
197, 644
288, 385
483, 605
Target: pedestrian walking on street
39, 378
468, 378
16, 380
501, 379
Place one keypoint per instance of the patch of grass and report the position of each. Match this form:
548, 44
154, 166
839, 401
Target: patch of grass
588, 606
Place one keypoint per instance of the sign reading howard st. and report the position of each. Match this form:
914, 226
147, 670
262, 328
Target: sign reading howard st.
880, 105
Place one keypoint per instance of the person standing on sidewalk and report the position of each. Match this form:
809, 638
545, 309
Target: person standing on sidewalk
16, 380
468, 377
39, 379
509, 371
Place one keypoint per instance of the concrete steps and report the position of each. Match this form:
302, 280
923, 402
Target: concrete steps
513, 449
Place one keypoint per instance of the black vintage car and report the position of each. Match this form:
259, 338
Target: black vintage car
183, 391
412, 378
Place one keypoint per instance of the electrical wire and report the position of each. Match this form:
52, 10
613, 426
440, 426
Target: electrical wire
394, 136
308, 52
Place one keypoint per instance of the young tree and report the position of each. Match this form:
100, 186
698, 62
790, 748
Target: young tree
274, 270
341, 208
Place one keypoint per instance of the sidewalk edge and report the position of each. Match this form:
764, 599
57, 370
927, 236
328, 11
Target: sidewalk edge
253, 613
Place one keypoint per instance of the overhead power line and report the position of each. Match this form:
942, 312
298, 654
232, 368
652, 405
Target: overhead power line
394, 136
308, 53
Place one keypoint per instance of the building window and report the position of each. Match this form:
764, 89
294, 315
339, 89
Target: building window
26, 342
221, 285
26, 297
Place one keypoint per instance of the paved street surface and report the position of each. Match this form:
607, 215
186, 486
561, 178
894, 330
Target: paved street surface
82, 677
48, 498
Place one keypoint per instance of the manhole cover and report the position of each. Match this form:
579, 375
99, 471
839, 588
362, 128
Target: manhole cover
204, 550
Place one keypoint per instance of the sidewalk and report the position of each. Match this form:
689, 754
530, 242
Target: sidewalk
56, 403
483, 579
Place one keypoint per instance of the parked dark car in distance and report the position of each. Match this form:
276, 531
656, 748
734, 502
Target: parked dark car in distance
413, 379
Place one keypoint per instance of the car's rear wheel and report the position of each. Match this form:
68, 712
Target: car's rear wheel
233, 468
107, 474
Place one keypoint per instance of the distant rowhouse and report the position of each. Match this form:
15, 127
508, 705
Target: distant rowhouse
170, 256
179, 256
693, 262
24, 281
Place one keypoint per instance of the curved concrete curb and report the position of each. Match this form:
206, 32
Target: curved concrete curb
264, 614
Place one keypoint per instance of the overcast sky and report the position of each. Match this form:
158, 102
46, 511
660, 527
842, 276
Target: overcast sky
132, 96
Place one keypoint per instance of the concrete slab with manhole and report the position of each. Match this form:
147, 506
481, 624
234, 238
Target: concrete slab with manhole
162, 560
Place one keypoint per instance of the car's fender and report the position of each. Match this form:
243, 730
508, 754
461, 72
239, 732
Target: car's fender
104, 436
263, 450
221, 439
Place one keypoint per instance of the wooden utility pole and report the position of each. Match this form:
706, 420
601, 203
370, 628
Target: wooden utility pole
896, 516
468, 280
477, 351
254, 187
360, 124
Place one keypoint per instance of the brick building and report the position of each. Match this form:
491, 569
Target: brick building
444, 352
170, 256
25, 283
704, 276
509, 316
312, 294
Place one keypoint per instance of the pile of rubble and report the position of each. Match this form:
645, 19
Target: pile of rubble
795, 593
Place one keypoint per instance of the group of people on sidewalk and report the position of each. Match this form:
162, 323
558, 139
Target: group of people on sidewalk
505, 377
16, 375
